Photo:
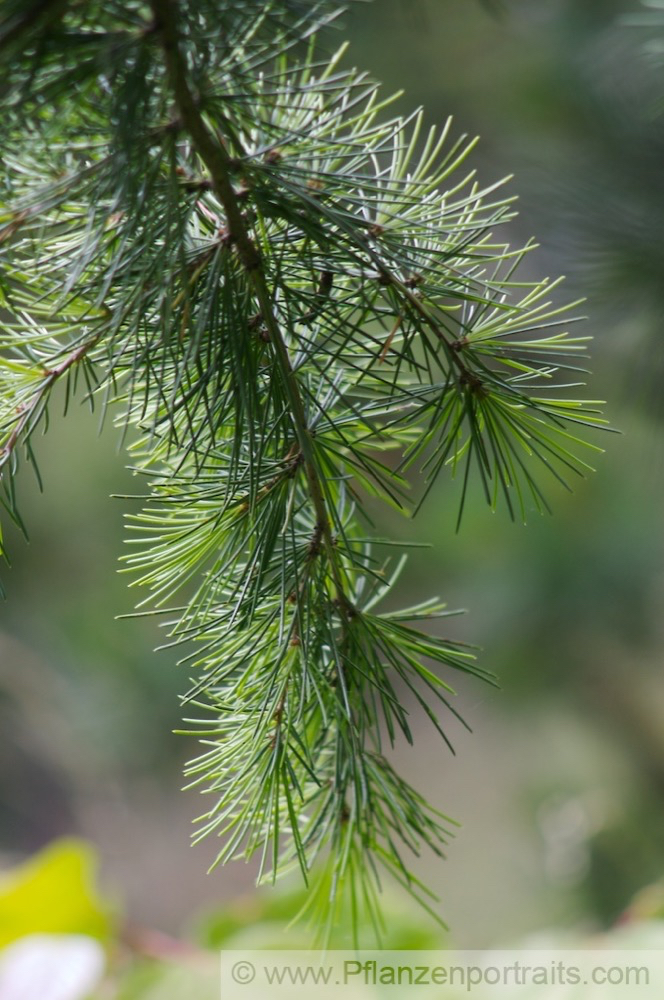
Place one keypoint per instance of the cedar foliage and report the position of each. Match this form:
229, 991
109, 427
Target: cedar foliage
289, 300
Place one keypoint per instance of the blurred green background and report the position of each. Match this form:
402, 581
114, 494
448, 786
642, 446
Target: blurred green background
560, 787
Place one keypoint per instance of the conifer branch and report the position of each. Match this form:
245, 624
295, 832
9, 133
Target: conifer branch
275, 285
26, 412
220, 165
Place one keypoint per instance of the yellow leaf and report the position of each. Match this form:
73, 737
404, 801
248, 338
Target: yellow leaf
54, 893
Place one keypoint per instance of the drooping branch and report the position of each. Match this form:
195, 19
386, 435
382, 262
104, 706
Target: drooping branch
220, 164
299, 283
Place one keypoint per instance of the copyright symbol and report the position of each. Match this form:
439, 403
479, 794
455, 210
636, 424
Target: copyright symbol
243, 972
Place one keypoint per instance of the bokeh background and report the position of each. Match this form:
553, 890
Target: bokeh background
560, 787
